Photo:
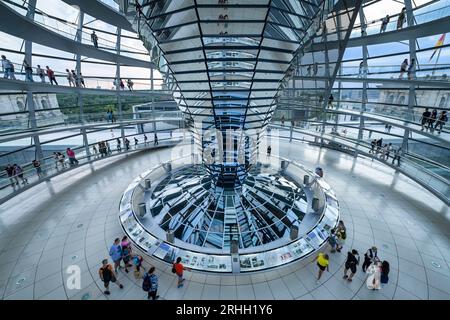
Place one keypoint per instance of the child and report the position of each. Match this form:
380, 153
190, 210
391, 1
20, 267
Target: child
137, 261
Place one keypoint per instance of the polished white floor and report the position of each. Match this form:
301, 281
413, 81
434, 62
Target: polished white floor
73, 220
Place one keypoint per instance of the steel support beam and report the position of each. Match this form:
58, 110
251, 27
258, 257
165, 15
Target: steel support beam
30, 98
362, 19
119, 99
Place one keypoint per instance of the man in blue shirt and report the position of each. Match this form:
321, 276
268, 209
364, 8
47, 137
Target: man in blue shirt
115, 252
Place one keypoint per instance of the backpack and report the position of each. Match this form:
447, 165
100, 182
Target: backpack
173, 269
342, 234
146, 284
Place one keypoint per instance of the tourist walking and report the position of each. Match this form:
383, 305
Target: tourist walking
37, 167
136, 142
315, 68
411, 69
108, 275
330, 101
369, 257
384, 23
350, 264
341, 235
95, 151
56, 159
441, 121
82, 81
373, 281
62, 159
388, 151
397, 155
71, 155
323, 263
269, 151
115, 252
28, 71
145, 140
94, 39
282, 121
70, 78
379, 145
403, 68
130, 84
41, 73
332, 240
424, 119
119, 147
432, 119
125, 242
8, 69
401, 18
155, 139
75, 78
137, 261
18, 171
373, 145
126, 256
127, 144
109, 115
122, 85
362, 69
51, 76
179, 269
12, 178
150, 284
108, 147
101, 148
384, 152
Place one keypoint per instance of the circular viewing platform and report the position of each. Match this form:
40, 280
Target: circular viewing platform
283, 213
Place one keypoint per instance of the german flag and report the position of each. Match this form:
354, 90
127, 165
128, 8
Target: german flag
438, 44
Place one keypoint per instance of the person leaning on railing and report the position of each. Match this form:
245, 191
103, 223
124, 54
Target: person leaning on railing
12, 178
37, 167
441, 120
8, 69
28, 71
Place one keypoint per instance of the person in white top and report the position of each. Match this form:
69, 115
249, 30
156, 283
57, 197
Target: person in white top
41, 73
70, 78
373, 280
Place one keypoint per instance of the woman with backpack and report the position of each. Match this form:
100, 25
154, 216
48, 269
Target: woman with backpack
150, 284
107, 275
